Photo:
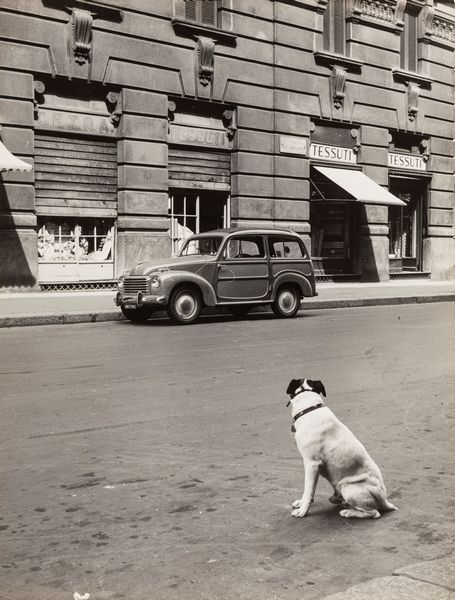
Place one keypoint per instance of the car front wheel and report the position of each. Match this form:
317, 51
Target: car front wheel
185, 305
287, 302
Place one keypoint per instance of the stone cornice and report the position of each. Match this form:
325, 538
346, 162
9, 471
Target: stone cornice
96, 9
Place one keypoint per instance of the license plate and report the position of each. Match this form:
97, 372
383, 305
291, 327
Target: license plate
132, 306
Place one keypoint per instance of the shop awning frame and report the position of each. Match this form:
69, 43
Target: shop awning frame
9, 162
361, 187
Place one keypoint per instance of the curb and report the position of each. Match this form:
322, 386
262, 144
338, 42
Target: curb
27, 320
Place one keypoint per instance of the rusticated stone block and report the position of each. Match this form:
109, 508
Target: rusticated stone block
374, 258
143, 153
145, 128
251, 208
136, 246
133, 202
14, 197
255, 141
254, 95
19, 264
17, 220
299, 189
290, 166
146, 103
442, 181
19, 176
246, 162
373, 156
292, 123
251, 185
439, 253
148, 178
374, 136
16, 112
18, 141
380, 175
138, 223
17, 85
254, 118
374, 213
438, 199
292, 210
440, 217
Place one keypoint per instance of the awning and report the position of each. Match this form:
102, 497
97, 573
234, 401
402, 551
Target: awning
361, 187
9, 162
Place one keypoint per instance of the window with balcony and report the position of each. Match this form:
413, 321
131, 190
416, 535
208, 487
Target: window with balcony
334, 27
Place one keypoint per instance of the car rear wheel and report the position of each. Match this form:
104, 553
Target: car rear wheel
287, 302
185, 305
137, 315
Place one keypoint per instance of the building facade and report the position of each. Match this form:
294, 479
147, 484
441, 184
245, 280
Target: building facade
147, 121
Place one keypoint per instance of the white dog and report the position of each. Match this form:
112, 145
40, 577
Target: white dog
328, 448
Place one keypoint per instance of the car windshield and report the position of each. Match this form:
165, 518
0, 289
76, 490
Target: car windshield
202, 245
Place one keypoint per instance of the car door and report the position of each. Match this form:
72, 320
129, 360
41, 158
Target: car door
243, 270
288, 255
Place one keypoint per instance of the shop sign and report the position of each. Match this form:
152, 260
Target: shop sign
198, 136
291, 144
407, 161
68, 121
332, 153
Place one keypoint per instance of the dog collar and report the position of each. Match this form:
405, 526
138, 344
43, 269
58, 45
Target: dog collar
304, 412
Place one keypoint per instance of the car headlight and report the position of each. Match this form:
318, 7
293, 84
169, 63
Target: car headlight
121, 283
155, 281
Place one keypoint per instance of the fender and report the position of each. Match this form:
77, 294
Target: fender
170, 279
302, 282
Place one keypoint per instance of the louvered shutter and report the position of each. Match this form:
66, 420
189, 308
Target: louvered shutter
208, 12
326, 28
75, 176
199, 169
339, 26
190, 10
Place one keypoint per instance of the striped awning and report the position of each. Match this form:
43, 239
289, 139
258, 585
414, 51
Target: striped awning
9, 162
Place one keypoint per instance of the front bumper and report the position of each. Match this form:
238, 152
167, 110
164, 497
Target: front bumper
139, 299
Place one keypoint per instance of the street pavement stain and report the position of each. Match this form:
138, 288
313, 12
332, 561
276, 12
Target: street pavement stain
183, 508
84, 484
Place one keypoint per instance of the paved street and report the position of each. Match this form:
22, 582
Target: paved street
156, 462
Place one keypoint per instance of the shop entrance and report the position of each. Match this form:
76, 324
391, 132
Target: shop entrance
406, 226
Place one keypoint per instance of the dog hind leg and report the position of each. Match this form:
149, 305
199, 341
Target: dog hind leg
361, 503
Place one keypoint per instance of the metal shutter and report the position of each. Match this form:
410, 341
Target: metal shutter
199, 169
75, 176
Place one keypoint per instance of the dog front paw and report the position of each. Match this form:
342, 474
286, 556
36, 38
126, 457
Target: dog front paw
299, 512
296, 504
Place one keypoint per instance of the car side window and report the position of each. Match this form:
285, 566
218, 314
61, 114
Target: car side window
245, 247
280, 247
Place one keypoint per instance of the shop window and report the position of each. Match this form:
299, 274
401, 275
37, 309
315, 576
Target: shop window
202, 11
334, 27
409, 40
193, 212
73, 240
406, 225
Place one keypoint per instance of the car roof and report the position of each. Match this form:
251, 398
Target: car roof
246, 230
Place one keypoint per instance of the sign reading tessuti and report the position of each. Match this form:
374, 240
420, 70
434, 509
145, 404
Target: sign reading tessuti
407, 161
332, 153
198, 136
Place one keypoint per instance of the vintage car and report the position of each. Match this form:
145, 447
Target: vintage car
234, 268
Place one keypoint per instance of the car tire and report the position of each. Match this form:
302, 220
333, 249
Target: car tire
137, 315
287, 302
239, 311
185, 305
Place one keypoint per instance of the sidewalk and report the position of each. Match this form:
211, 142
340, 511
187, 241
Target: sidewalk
429, 580
57, 308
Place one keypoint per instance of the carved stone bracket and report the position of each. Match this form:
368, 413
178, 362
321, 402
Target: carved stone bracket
338, 81
413, 100
115, 99
81, 35
205, 51
230, 121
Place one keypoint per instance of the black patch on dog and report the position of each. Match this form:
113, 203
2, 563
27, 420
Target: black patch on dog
317, 386
293, 385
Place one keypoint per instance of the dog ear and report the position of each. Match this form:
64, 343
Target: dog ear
293, 385
318, 387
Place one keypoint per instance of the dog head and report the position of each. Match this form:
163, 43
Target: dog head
306, 384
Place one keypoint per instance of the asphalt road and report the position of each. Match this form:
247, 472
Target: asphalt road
156, 462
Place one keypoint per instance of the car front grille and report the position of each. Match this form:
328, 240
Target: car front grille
133, 285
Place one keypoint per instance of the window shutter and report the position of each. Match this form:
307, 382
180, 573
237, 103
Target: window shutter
404, 43
412, 41
339, 26
209, 12
190, 10
326, 27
